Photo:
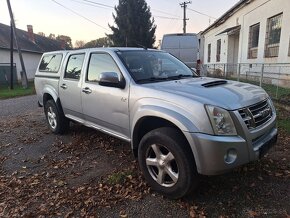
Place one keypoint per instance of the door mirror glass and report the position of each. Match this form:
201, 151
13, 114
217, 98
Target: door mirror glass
111, 79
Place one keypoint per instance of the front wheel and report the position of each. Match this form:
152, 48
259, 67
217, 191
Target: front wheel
167, 162
56, 120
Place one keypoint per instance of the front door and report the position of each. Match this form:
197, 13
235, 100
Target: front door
104, 107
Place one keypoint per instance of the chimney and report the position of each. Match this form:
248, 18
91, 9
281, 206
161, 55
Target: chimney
30, 33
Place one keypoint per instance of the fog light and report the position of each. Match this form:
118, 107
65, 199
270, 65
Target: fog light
230, 156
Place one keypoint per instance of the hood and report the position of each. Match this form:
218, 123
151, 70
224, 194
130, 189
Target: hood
227, 94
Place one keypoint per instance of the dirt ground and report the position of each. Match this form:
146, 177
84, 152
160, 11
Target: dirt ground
86, 173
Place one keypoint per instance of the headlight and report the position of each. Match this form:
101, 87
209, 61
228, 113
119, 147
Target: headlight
221, 121
270, 102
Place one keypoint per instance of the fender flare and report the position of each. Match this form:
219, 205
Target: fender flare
48, 89
179, 120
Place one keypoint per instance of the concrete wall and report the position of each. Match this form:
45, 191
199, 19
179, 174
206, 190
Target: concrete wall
31, 61
258, 11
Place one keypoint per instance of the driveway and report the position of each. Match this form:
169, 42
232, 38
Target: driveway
17, 106
86, 173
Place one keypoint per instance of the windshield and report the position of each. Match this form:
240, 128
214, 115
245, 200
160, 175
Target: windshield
147, 66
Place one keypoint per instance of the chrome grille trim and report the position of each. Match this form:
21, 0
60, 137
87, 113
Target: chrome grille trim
256, 115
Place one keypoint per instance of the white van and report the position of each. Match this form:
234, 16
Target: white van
184, 46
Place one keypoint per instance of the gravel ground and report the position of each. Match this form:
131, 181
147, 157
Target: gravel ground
86, 173
17, 106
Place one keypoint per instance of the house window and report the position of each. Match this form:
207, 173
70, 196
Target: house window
253, 41
273, 36
208, 52
218, 50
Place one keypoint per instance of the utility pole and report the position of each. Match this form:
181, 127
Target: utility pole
23, 71
184, 6
11, 56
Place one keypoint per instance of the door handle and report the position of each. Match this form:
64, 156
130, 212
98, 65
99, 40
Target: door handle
87, 90
63, 86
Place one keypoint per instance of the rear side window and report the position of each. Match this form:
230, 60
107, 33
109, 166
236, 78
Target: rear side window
100, 63
50, 63
74, 66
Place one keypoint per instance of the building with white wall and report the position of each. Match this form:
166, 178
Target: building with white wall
32, 47
252, 31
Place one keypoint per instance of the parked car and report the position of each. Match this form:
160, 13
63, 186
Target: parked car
184, 46
179, 125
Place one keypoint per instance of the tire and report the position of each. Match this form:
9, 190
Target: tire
167, 162
55, 118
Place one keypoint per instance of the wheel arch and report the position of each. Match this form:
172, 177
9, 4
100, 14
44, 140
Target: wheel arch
50, 95
49, 92
148, 120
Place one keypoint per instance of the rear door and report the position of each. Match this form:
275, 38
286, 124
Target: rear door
105, 108
70, 86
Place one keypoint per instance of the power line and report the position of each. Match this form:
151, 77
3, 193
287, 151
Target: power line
109, 6
170, 18
104, 6
201, 13
163, 12
80, 15
100, 5
90, 4
95, 3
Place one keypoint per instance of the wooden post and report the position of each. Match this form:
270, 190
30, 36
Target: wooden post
225, 71
11, 56
23, 71
239, 71
262, 75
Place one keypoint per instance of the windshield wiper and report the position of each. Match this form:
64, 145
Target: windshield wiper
151, 79
180, 76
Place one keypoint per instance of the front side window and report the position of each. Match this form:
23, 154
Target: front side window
273, 35
74, 66
50, 63
253, 41
218, 50
147, 66
100, 63
208, 52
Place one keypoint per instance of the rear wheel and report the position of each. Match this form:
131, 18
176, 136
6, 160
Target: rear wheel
167, 162
56, 120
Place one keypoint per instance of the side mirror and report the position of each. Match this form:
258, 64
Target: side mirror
111, 79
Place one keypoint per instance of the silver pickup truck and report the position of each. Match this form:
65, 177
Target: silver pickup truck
179, 125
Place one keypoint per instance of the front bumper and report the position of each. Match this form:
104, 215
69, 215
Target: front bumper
218, 154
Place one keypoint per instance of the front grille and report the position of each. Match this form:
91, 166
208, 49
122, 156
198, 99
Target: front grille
257, 114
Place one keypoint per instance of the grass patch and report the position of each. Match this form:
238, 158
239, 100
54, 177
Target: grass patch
285, 124
6, 92
272, 90
269, 88
283, 118
119, 177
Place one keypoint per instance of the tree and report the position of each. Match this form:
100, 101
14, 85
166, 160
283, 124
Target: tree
41, 34
134, 25
51, 36
80, 44
101, 42
65, 39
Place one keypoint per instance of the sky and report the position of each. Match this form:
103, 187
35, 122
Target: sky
82, 20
